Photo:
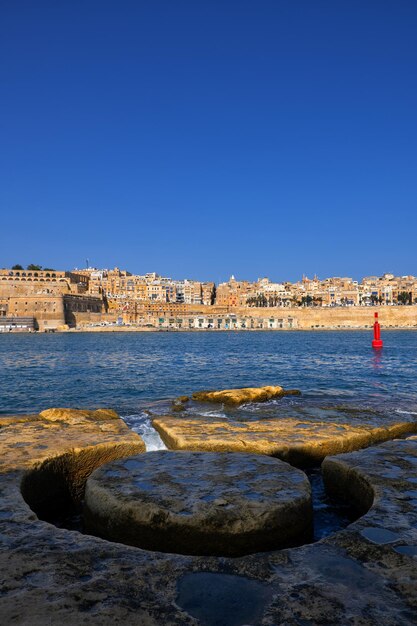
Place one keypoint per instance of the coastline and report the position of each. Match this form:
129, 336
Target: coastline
139, 329
214, 318
40, 552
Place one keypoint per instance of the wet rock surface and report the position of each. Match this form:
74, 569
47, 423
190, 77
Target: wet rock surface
55, 576
299, 442
200, 503
223, 598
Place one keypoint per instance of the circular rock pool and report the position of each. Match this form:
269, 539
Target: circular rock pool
200, 503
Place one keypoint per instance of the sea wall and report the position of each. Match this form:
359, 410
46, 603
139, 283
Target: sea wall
353, 317
87, 313
188, 317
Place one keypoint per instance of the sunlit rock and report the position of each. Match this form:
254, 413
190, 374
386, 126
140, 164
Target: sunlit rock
234, 397
65, 415
10, 420
26, 443
298, 442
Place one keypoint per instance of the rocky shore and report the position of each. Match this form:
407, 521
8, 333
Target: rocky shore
364, 574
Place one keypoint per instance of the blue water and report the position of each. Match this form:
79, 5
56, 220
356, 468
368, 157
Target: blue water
129, 370
336, 371
340, 377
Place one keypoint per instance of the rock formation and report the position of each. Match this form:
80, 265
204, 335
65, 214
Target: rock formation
200, 503
234, 397
74, 415
364, 574
297, 442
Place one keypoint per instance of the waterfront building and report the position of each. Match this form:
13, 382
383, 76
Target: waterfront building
57, 298
50, 298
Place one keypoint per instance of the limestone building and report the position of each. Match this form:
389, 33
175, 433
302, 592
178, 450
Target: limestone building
49, 299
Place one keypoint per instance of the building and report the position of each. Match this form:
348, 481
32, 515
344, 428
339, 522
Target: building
41, 296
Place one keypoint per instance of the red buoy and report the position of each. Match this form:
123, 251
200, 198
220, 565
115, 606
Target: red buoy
377, 342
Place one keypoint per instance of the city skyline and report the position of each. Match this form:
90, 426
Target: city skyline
194, 278
53, 300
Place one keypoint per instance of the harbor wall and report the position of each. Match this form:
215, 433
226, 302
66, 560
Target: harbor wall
286, 318
351, 317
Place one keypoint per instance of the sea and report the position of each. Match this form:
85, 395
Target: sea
338, 373
341, 379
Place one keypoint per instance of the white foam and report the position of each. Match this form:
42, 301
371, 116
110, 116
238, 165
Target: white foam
212, 414
406, 412
141, 424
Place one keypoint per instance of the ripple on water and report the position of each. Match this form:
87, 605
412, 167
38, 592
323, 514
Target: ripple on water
40, 371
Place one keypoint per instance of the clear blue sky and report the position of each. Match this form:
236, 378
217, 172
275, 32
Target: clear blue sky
200, 138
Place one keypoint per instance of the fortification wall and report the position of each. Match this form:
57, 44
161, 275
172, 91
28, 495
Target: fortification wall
82, 309
343, 317
304, 318
47, 309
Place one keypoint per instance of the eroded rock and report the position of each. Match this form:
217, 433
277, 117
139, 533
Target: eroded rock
10, 420
234, 397
26, 445
69, 415
298, 442
56, 457
200, 503
54, 576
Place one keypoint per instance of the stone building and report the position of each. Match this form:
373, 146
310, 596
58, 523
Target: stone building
42, 297
83, 309
208, 293
231, 293
46, 309
222, 321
